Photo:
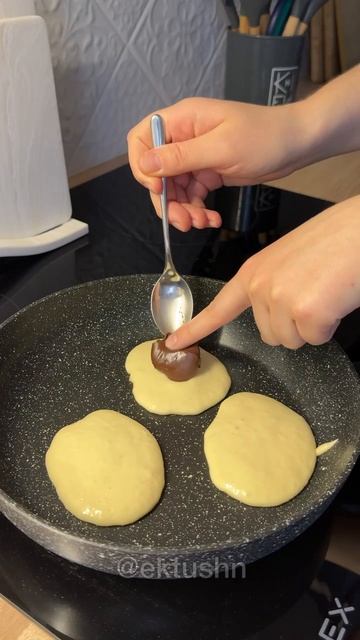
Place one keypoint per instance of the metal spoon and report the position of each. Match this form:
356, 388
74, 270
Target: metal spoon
171, 298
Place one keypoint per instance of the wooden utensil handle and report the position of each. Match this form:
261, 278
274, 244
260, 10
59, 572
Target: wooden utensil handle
244, 24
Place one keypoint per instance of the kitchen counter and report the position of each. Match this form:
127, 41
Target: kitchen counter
334, 179
14, 625
343, 550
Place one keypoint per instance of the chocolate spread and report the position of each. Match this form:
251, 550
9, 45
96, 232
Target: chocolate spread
177, 365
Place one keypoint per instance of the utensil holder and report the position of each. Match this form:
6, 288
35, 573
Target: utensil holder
261, 70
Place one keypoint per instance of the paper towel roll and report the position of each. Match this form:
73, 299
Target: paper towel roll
14, 8
34, 195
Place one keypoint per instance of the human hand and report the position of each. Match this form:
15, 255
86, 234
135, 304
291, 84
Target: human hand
213, 143
299, 287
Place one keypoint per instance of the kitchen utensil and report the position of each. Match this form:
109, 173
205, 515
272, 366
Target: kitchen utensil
244, 25
231, 13
274, 13
282, 17
251, 12
264, 22
63, 356
298, 10
311, 10
171, 298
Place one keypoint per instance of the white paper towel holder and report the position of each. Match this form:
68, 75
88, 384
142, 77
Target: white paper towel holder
42, 242
35, 206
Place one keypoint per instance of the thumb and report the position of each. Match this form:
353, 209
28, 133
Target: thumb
181, 157
227, 305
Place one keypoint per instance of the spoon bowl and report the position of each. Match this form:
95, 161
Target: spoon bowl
171, 302
171, 299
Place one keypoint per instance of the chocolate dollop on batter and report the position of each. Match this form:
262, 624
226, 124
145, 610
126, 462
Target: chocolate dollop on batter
177, 365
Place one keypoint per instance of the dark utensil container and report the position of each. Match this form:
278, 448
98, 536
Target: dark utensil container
261, 70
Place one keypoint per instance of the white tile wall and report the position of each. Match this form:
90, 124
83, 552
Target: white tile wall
116, 60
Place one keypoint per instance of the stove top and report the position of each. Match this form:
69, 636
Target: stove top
291, 595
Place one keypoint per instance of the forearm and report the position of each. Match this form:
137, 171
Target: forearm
331, 118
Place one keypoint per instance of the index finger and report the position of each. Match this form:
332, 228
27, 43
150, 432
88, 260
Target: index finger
227, 305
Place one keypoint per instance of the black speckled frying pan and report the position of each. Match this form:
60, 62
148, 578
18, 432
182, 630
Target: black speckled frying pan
63, 356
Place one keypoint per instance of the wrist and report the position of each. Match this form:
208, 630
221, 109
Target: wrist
306, 137
316, 130
329, 118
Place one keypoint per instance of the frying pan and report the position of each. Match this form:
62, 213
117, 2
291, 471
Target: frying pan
63, 356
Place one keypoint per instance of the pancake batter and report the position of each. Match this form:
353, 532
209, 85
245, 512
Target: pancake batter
259, 451
154, 391
106, 468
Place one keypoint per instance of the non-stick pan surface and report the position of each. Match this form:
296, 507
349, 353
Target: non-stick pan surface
63, 356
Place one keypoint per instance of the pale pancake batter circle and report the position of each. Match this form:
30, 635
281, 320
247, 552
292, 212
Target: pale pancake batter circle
154, 391
259, 451
106, 468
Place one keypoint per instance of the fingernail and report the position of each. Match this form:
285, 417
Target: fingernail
150, 162
171, 342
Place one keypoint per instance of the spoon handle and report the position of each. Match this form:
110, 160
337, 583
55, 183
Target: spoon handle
158, 137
